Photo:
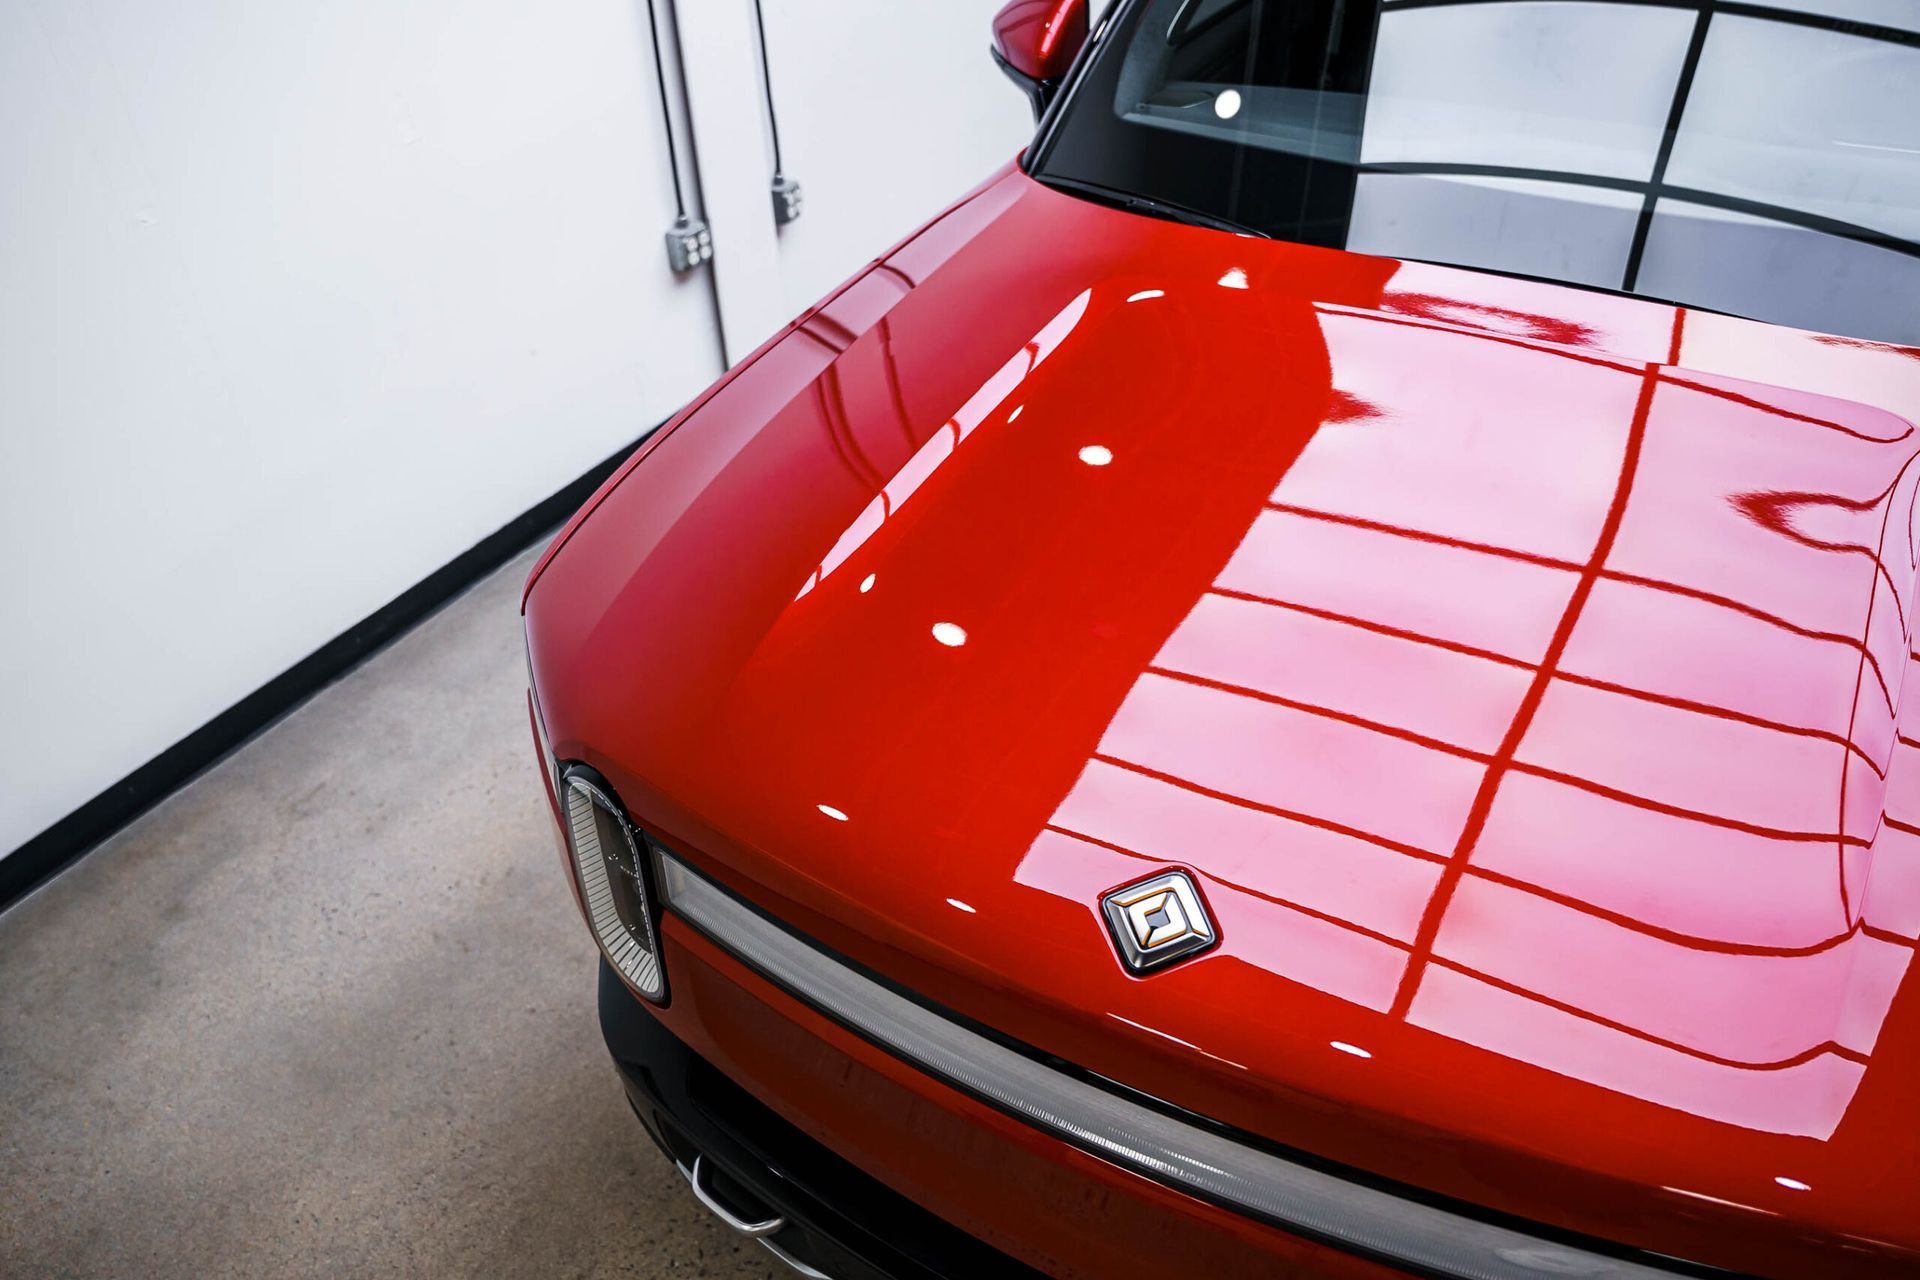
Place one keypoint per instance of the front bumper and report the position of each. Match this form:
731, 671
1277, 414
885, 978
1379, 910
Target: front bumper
836, 1220
886, 1171
1070, 1173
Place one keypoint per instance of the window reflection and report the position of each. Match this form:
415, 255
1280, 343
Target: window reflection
1672, 749
938, 447
1519, 828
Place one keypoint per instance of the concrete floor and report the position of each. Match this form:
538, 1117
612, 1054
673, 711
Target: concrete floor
329, 1011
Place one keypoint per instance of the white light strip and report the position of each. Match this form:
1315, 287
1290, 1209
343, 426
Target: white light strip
1199, 1161
637, 963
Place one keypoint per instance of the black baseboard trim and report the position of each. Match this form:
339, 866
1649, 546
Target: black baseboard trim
61, 844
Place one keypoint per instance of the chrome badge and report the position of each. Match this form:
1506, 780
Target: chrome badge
1158, 920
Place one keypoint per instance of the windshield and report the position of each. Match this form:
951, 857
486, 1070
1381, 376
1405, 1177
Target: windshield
1761, 159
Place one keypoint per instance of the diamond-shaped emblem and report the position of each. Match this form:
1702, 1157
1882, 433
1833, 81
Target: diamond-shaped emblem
1158, 920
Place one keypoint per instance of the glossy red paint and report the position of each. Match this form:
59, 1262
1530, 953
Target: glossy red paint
1520, 670
1040, 38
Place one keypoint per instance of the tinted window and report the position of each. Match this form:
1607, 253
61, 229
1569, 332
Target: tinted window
1758, 159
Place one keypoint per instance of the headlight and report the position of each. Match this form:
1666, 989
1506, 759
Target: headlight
610, 859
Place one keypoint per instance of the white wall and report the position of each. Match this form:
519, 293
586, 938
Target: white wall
297, 302
932, 126
888, 110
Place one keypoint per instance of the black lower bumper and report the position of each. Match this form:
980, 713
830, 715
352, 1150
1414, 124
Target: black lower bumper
837, 1220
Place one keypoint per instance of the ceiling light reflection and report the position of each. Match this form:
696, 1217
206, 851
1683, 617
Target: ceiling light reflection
1145, 294
866, 583
1234, 279
1793, 1184
955, 902
1016, 413
1353, 1049
1096, 455
949, 634
940, 446
1227, 105
831, 812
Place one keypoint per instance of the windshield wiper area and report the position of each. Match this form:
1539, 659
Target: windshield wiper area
1134, 202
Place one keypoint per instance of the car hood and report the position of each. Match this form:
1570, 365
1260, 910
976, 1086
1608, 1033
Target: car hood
1518, 671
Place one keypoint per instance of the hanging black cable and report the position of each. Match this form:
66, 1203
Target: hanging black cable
786, 192
689, 242
666, 113
766, 81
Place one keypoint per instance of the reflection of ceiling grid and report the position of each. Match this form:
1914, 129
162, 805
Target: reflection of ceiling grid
1827, 1070
1656, 188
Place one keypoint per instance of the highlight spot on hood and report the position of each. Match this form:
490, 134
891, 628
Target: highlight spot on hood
941, 444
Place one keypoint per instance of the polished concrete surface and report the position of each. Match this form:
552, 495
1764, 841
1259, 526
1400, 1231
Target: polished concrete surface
328, 1011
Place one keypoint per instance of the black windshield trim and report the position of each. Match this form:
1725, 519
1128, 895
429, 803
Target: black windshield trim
1152, 206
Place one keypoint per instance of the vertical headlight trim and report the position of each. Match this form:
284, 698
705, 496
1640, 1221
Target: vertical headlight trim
547, 759
610, 860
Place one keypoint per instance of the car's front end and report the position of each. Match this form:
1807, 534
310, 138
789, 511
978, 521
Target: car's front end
1113, 747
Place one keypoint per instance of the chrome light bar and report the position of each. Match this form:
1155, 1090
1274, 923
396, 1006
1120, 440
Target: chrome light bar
1396, 1229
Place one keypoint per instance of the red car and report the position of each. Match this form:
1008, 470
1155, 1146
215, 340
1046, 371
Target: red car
1311, 680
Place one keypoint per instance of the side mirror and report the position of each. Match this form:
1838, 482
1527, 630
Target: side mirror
1035, 41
